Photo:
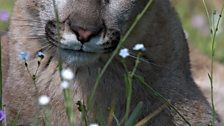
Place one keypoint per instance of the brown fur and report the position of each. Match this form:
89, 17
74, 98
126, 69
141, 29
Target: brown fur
159, 30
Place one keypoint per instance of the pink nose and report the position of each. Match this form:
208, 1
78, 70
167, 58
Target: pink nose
84, 35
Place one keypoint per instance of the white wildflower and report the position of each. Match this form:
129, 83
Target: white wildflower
94, 124
67, 74
43, 100
124, 53
139, 47
64, 84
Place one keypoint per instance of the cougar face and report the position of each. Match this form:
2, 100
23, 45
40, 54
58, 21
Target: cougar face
86, 28
86, 32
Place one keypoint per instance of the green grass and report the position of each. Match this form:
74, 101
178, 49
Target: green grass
5, 5
201, 39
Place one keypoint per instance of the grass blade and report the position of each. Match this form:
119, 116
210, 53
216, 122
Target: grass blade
135, 114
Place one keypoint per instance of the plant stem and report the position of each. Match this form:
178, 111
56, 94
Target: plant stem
151, 115
1, 84
122, 41
129, 87
66, 92
207, 14
211, 75
69, 106
58, 35
116, 119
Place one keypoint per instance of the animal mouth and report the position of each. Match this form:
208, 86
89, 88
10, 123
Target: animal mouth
82, 49
79, 51
77, 57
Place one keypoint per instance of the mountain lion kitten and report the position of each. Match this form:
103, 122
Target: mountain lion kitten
89, 31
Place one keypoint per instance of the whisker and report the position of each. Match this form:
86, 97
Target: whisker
31, 25
17, 37
36, 35
50, 49
39, 34
149, 61
31, 30
45, 46
28, 20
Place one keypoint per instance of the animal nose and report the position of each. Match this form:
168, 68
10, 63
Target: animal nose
85, 27
83, 34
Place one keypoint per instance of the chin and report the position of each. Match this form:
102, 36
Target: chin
78, 58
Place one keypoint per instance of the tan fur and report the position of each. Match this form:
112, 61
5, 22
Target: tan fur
159, 30
201, 66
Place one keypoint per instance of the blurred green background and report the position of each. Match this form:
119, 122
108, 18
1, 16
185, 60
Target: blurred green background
192, 15
195, 23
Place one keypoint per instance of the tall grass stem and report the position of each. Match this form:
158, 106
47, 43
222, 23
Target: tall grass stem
1, 84
211, 75
208, 16
67, 92
122, 41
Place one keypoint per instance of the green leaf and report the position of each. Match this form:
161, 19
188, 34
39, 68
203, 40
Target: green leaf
135, 114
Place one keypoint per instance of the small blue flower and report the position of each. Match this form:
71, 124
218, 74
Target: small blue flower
40, 54
2, 115
23, 55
